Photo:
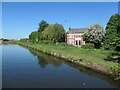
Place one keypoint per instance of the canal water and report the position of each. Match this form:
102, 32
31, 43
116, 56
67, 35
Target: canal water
26, 68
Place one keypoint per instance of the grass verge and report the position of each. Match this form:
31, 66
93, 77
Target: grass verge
89, 58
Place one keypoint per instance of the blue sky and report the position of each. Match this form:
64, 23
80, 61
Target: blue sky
19, 19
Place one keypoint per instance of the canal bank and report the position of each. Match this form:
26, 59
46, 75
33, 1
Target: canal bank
28, 68
109, 68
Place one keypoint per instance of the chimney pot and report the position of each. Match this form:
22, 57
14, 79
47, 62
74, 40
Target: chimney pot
69, 29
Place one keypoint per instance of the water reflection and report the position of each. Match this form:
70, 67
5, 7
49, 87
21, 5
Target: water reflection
44, 60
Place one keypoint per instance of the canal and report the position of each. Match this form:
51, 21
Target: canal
26, 68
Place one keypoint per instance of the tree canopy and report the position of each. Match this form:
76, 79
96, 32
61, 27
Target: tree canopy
112, 29
37, 35
96, 27
42, 25
54, 32
95, 35
33, 36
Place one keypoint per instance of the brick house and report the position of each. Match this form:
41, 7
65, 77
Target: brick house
74, 36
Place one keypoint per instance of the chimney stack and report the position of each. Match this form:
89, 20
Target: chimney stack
69, 28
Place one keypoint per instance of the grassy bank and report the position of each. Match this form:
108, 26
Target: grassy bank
89, 58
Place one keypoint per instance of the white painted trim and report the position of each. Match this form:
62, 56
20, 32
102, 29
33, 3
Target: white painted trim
77, 38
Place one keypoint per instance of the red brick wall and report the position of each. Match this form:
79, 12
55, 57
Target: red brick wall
75, 36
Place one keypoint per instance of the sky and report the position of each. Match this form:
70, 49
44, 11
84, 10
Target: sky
19, 19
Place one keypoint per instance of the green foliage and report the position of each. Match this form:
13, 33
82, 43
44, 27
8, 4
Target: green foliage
96, 27
5, 39
37, 35
42, 25
62, 43
75, 53
116, 43
46, 42
116, 54
33, 36
112, 29
95, 35
54, 32
115, 70
88, 46
112, 37
24, 39
108, 47
40, 36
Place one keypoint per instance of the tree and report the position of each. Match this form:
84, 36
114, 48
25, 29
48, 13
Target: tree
112, 29
116, 54
54, 32
96, 27
42, 25
95, 35
33, 36
24, 39
40, 36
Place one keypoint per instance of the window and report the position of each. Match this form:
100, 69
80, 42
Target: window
77, 36
71, 42
71, 36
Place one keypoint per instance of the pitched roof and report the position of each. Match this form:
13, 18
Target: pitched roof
77, 30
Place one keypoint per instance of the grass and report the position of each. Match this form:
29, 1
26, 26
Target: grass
86, 55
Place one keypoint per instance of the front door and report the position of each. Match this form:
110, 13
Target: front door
77, 42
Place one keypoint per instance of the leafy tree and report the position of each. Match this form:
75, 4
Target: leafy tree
54, 32
42, 25
112, 29
5, 39
116, 54
116, 44
33, 36
96, 27
37, 35
24, 39
94, 35
40, 36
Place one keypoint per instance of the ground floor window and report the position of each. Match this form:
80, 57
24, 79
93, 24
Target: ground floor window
71, 42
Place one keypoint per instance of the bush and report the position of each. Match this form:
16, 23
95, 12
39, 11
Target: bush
108, 47
46, 42
114, 56
88, 46
62, 43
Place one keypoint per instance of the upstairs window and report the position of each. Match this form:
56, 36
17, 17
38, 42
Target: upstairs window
71, 36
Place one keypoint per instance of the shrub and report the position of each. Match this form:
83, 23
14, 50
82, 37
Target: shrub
62, 43
108, 47
46, 42
88, 46
114, 56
